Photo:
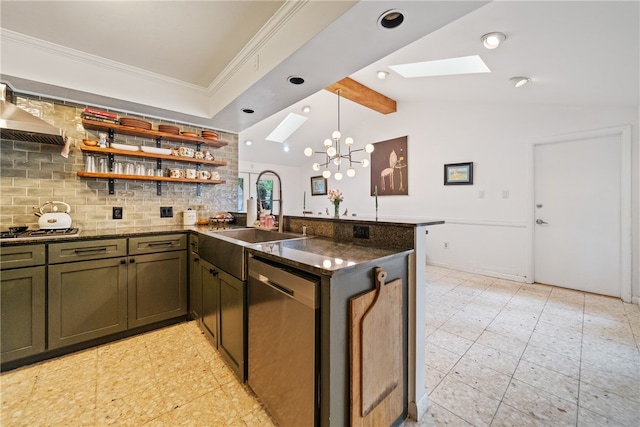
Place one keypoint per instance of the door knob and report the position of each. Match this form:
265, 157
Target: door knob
540, 222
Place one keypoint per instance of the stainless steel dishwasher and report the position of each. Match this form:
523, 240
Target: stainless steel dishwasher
283, 358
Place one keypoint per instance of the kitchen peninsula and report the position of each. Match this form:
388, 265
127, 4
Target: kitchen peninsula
345, 268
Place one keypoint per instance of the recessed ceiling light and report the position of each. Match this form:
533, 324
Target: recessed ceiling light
382, 75
286, 148
519, 81
248, 110
286, 127
391, 19
442, 67
295, 80
248, 142
306, 109
493, 40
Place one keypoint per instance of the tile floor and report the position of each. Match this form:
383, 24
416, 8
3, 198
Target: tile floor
499, 353
167, 377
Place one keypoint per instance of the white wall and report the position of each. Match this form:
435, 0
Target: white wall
292, 185
485, 235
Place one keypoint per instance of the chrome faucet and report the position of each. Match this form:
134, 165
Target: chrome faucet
279, 196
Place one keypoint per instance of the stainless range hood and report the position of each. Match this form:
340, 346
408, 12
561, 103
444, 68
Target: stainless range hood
17, 124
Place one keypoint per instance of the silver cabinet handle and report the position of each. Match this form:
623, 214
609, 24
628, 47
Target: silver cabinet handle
89, 251
540, 222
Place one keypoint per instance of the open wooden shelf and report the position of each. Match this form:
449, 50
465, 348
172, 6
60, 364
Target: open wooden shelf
153, 134
148, 178
98, 150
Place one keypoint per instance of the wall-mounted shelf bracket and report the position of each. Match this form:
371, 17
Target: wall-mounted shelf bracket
112, 186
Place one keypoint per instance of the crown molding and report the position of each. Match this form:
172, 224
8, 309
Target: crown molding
251, 49
48, 48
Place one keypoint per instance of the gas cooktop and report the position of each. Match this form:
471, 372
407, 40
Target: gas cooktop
64, 232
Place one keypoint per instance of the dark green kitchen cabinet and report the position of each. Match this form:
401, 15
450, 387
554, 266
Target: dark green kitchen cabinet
22, 302
157, 287
210, 300
87, 290
231, 335
224, 314
157, 272
87, 300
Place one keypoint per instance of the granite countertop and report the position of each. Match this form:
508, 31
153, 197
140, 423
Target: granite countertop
322, 256
100, 234
395, 221
316, 254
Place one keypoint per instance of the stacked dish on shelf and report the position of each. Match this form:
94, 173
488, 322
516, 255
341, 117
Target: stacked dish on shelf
135, 123
208, 134
124, 147
174, 130
155, 150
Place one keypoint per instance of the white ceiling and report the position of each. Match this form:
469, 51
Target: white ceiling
576, 53
201, 62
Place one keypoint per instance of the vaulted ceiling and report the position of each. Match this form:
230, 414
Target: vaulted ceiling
203, 62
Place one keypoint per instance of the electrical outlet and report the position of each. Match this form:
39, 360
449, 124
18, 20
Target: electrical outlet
166, 212
446, 245
481, 194
117, 212
505, 194
360, 232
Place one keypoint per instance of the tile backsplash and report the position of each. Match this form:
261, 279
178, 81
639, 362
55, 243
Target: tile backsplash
32, 173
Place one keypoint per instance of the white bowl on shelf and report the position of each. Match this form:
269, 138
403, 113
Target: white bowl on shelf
156, 150
124, 147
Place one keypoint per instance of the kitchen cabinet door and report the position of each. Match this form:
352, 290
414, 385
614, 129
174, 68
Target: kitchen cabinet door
210, 300
86, 300
195, 281
195, 288
22, 310
157, 287
231, 335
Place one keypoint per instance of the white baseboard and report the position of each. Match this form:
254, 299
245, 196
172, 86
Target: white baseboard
482, 272
418, 409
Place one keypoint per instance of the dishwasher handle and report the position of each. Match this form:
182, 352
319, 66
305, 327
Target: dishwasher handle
278, 287
285, 281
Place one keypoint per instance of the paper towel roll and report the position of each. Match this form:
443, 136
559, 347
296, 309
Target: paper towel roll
252, 212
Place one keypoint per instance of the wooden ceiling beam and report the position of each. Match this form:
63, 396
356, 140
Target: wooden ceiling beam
363, 95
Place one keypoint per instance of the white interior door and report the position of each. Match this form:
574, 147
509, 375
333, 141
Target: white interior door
577, 214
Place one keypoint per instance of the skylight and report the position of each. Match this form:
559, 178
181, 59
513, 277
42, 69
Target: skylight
442, 67
286, 127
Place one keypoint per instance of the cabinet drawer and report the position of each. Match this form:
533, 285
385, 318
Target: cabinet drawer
21, 256
154, 244
86, 250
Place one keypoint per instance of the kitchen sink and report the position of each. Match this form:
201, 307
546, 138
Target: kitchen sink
226, 248
256, 235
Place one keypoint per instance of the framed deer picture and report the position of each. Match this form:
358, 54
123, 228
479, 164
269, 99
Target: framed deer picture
390, 168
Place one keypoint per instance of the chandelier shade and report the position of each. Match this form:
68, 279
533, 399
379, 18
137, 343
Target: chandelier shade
333, 153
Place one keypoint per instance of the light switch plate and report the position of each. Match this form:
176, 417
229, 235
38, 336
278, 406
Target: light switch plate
117, 212
166, 212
